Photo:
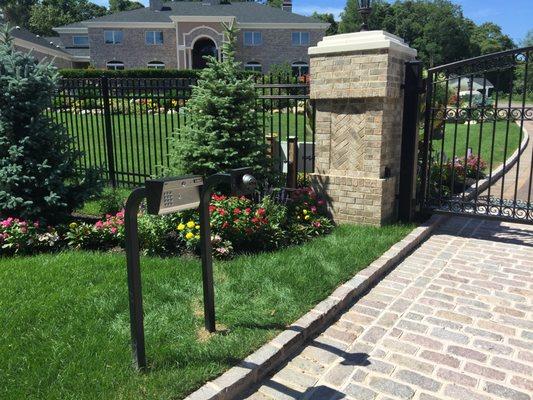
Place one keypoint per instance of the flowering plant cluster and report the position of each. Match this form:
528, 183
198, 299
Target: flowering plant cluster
237, 225
457, 173
19, 236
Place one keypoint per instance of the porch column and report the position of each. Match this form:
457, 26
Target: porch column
356, 82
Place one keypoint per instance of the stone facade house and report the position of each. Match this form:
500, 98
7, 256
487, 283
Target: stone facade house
178, 35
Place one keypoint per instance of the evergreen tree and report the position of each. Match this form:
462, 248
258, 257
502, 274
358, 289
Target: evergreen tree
223, 131
38, 178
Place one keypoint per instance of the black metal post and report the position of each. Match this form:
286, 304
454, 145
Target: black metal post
134, 277
108, 132
207, 248
408, 162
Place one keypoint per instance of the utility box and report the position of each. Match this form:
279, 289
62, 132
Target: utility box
169, 195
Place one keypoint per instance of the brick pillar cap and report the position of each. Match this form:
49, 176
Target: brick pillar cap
359, 41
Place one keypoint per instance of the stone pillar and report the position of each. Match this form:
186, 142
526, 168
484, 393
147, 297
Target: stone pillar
356, 82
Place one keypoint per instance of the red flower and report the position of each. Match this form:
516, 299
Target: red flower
212, 208
221, 211
255, 220
225, 225
261, 212
237, 211
247, 211
216, 197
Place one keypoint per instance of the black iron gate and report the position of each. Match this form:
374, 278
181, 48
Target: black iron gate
476, 156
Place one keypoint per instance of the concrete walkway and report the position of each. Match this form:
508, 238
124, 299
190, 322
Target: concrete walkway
453, 321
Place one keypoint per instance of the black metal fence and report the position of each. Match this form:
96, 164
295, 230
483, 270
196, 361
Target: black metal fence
476, 156
122, 126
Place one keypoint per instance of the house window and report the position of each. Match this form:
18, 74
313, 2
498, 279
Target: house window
156, 65
153, 37
115, 65
300, 38
253, 38
113, 37
253, 66
80, 40
300, 68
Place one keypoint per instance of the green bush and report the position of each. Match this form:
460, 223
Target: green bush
128, 73
222, 130
38, 175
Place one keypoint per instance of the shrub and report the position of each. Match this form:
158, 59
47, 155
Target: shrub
128, 73
223, 131
22, 237
38, 178
111, 201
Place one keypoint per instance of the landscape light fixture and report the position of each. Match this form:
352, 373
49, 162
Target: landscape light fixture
165, 196
365, 9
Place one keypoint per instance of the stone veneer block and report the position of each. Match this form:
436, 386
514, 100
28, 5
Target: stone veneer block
356, 82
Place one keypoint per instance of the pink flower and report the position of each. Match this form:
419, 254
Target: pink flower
313, 209
320, 202
99, 225
7, 222
113, 230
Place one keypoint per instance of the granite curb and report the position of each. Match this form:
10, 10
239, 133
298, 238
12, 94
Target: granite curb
273, 354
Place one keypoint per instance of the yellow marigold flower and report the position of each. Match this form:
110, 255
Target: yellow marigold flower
181, 227
189, 235
73, 225
197, 236
305, 212
197, 226
190, 224
307, 217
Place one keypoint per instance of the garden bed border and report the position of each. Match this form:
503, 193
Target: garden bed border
274, 354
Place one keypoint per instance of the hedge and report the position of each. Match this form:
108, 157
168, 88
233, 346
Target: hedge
128, 73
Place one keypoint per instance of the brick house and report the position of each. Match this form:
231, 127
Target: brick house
178, 35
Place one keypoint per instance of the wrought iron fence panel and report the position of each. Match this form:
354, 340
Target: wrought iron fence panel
122, 126
476, 155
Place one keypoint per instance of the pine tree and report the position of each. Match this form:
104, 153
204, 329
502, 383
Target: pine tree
222, 130
38, 178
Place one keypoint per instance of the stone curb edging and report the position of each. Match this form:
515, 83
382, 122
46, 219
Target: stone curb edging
273, 354
497, 173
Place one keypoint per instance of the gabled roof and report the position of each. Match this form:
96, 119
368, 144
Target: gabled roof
26, 36
244, 12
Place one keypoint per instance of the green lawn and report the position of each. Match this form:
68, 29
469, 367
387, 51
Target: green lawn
501, 152
65, 326
140, 141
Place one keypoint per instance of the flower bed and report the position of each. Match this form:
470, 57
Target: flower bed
238, 225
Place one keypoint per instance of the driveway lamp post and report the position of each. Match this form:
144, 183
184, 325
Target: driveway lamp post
165, 196
365, 9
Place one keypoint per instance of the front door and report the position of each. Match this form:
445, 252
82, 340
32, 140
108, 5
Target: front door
202, 48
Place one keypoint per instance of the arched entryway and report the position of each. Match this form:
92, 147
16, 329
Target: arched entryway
203, 47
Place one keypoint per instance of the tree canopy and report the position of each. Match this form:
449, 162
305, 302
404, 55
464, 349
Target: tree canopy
330, 19
436, 28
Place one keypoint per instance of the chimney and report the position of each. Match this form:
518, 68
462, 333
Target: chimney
156, 5
287, 5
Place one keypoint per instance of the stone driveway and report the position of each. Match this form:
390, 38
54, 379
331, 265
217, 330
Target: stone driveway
453, 321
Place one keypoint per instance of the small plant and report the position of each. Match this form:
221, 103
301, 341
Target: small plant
111, 201
23, 237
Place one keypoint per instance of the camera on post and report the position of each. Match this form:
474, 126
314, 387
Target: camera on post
169, 195
242, 181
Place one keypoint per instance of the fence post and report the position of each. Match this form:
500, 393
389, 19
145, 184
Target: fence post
108, 132
292, 163
409, 155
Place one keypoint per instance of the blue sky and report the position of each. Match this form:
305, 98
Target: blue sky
514, 16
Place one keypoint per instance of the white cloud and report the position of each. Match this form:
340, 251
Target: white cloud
310, 9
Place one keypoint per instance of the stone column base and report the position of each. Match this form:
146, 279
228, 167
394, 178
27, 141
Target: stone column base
368, 201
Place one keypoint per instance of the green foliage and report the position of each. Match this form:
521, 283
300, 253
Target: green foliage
111, 201
128, 73
488, 38
47, 14
278, 71
38, 178
436, 28
17, 12
528, 40
330, 19
123, 5
223, 131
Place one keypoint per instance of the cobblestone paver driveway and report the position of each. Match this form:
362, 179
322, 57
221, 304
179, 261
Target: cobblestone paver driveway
453, 321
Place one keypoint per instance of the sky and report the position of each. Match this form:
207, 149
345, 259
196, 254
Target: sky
514, 16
